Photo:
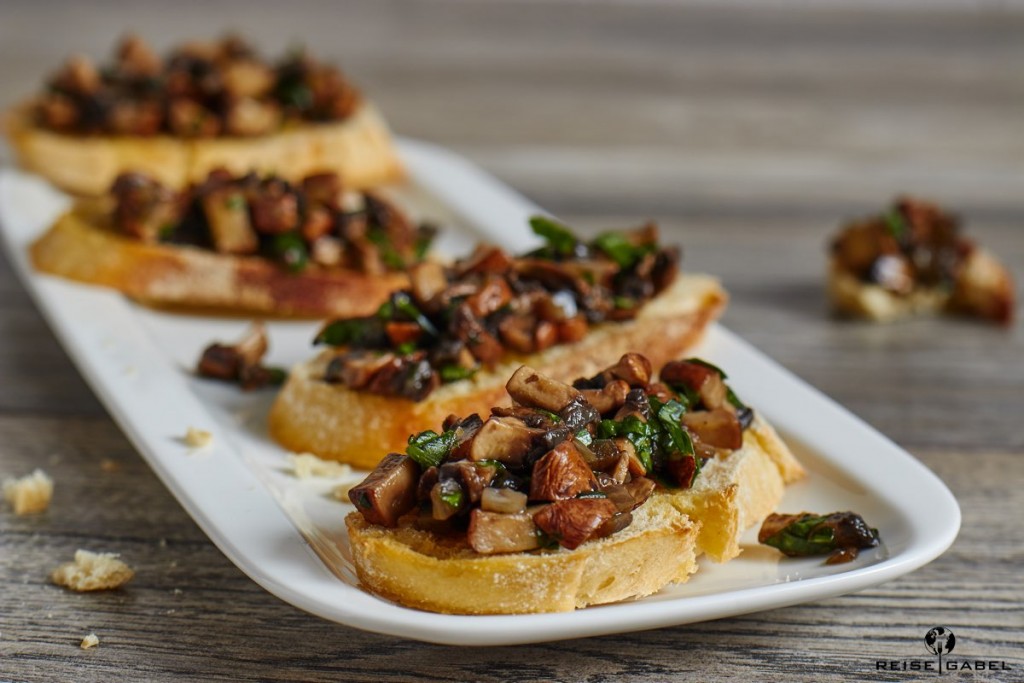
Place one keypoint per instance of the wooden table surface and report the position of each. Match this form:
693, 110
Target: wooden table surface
749, 133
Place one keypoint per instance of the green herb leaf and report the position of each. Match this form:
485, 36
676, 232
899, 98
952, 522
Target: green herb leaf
453, 373
453, 498
429, 448
388, 254
559, 237
896, 224
235, 202
670, 415
624, 302
290, 249
806, 535
361, 332
709, 366
403, 303
584, 437
619, 249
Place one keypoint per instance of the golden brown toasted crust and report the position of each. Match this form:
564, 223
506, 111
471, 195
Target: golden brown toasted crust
984, 289
734, 493
358, 148
337, 423
80, 247
420, 569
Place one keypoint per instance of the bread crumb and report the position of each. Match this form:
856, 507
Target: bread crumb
90, 641
198, 438
92, 571
306, 465
29, 494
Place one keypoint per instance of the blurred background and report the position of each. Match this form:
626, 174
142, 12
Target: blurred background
748, 130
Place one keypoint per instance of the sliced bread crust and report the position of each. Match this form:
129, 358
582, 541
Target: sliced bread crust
420, 569
80, 247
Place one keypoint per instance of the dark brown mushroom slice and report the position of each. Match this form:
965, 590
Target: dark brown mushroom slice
318, 222
484, 259
640, 489
618, 522
494, 293
505, 439
410, 377
680, 470
620, 496
388, 492
560, 474
517, 332
574, 521
572, 330
143, 207
577, 414
531, 418
719, 428
230, 362
609, 398
545, 335
636, 404
274, 207
355, 369
634, 369
469, 329
324, 189
402, 332
426, 482
490, 533
473, 477
530, 388
465, 432
704, 380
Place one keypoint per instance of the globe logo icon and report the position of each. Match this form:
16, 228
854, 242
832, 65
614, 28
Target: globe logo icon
940, 641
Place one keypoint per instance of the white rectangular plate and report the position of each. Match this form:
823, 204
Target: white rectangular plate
288, 534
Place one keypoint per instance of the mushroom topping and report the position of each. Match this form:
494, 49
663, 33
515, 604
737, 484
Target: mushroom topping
494, 532
584, 468
505, 439
573, 522
489, 306
199, 90
839, 534
388, 492
294, 225
560, 474
529, 388
241, 362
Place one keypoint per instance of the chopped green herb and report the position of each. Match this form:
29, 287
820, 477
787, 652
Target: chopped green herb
584, 437
166, 231
624, 302
896, 224
235, 202
453, 373
405, 348
276, 376
709, 366
453, 498
290, 249
810, 534
403, 303
619, 249
388, 254
352, 332
295, 93
429, 448
551, 416
559, 238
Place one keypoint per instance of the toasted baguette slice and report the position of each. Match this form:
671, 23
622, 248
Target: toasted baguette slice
337, 423
420, 569
81, 247
358, 148
734, 493
984, 289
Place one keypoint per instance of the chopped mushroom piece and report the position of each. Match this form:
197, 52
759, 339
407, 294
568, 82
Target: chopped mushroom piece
388, 492
528, 477
494, 532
